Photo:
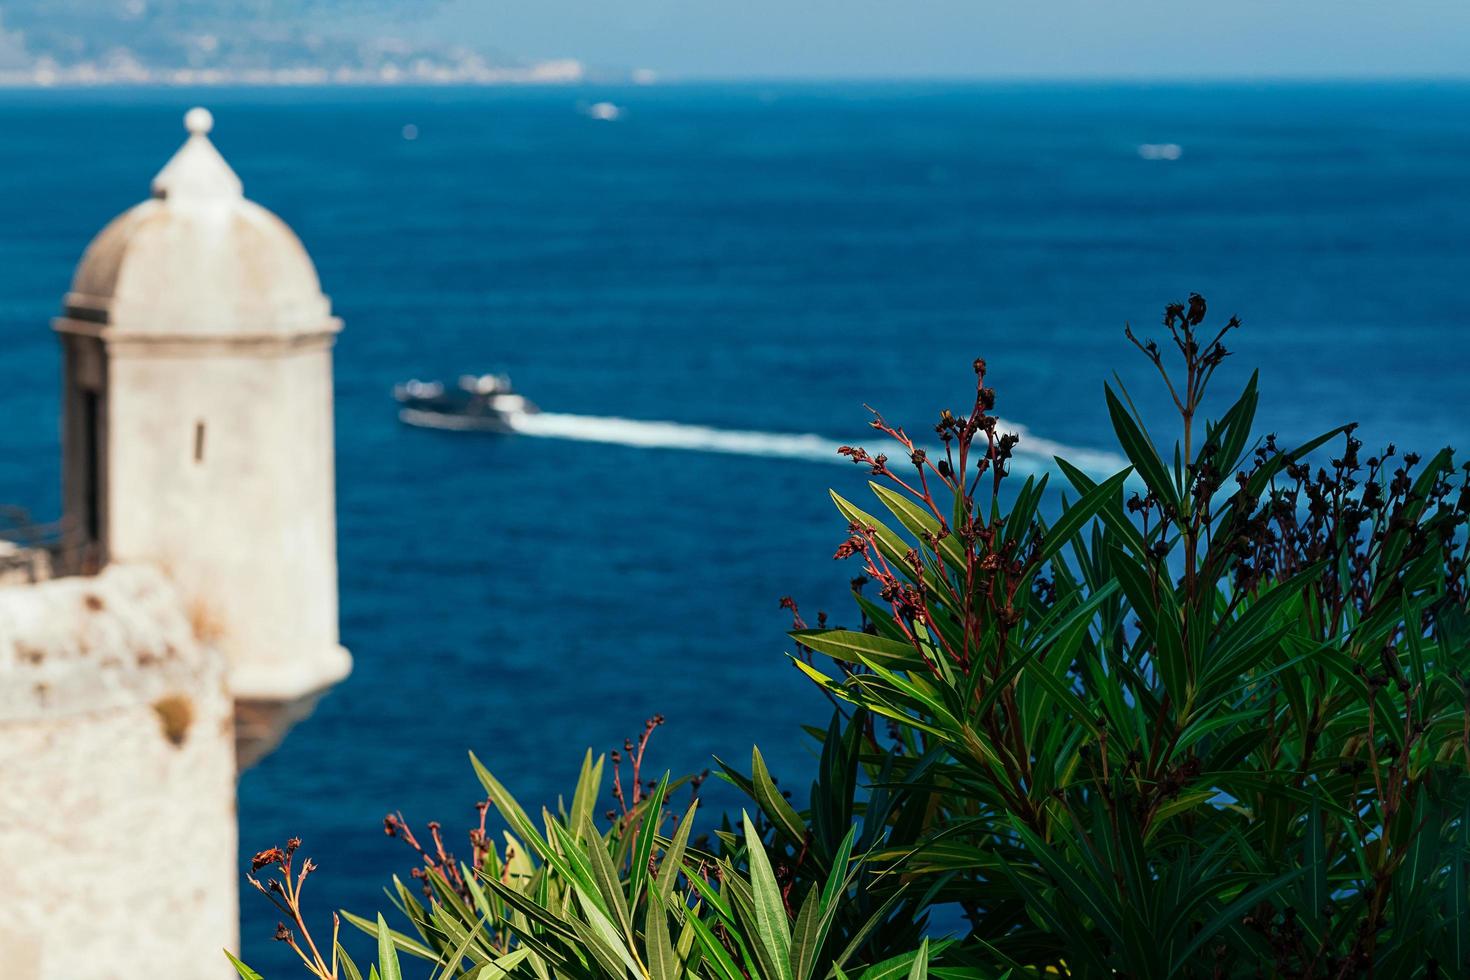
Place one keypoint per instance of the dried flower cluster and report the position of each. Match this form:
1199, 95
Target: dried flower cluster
283, 889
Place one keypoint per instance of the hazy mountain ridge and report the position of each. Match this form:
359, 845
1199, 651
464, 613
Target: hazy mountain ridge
45, 42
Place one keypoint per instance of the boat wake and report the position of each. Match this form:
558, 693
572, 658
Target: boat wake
1032, 455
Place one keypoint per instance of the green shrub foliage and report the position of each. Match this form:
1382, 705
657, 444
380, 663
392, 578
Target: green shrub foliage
1211, 719
636, 894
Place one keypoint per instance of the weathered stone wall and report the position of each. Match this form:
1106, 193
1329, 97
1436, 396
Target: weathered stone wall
117, 784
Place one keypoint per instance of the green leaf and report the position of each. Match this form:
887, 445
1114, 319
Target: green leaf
345, 965
1018, 521
577, 856
722, 908
1208, 725
1113, 515
468, 942
1262, 477
860, 698
920, 969
837, 877
404, 942
1058, 689
858, 938
1088, 506
1073, 623
1140, 451
245, 972
1398, 534
516, 817
714, 951
663, 964
881, 617
903, 966
598, 937
1239, 646
806, 937
773, 803
589, 788
501, 967
647, 830
1234, 429
863, 648
1232, 911
770, 911
890, 544
673, 859
919, 523
534, 912
607, 880
832, 798
387, 952
1080, 892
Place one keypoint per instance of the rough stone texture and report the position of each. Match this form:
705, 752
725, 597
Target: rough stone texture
117, 816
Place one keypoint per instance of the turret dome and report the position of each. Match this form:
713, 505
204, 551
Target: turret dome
198, 259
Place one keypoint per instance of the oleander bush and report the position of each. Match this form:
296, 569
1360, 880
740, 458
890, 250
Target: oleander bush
1206, 717
1211, 721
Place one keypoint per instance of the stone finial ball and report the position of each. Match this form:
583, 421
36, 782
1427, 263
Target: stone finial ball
198, 120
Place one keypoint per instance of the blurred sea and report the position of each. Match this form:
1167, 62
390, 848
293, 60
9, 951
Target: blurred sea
755, 259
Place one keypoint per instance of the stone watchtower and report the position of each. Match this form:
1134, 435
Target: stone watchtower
198, 426
195, 616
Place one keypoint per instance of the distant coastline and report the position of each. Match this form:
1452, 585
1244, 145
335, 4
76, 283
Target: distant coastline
49, 74
83, 43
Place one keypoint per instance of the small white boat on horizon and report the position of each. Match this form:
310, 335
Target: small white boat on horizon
1160, 151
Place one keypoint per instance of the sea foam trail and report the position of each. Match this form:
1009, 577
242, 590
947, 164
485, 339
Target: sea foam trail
1032, 455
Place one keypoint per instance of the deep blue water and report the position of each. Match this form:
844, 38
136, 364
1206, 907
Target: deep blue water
752, 257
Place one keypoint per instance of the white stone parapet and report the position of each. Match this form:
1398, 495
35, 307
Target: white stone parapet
117, 816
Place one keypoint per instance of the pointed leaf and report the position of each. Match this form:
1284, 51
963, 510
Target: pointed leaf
647, 833
773, 803
673, 859
387, 953
770, 911
245, 972
662, 963
1075, 516
806, 937
1140, 451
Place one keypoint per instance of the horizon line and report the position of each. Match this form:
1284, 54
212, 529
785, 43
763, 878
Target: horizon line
596, 79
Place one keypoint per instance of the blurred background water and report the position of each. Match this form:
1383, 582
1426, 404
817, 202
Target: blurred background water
750, 257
